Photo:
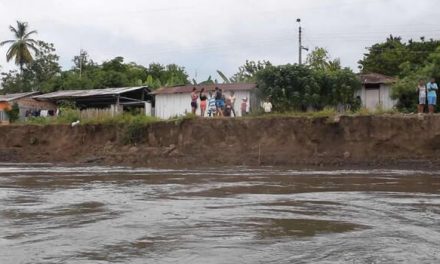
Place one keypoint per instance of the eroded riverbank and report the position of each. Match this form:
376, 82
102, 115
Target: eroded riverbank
377, 140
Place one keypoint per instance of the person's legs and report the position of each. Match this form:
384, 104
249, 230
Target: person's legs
421, 106
202, 108
432, 101
193, 108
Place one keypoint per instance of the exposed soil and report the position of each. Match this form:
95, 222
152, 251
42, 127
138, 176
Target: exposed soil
375, 140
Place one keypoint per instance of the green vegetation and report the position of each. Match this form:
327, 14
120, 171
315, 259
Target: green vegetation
21, 46
408, 61
13, 113
327, 112
322, 83
69, 115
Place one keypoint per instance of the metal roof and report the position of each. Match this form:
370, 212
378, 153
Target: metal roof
376, 78
208, 87
15, 96
71, 94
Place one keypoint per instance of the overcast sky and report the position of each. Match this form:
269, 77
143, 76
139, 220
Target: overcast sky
205, 35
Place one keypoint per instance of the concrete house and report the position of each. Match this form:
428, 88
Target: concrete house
176, 101
27, 105
376, 91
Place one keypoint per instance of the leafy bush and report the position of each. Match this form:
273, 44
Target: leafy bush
13, 113
300, 88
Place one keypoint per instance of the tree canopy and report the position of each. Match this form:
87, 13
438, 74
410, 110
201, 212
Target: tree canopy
22, 46
300, 87
395, 57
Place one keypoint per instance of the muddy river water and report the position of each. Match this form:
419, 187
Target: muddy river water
54, 214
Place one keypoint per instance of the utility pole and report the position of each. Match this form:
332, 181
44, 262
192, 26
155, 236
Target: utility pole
300, 41
300, 46
81, 57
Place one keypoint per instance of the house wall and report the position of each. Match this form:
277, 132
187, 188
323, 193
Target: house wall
3, 116
170, 105
27, 103
4, 106
384, 98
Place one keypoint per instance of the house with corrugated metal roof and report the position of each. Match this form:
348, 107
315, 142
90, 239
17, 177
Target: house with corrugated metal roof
376, 91
112, 99
176, 101
26, 104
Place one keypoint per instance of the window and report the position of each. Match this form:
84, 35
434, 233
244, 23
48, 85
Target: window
372, 86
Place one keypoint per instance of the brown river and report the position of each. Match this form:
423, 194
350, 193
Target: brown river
56, 214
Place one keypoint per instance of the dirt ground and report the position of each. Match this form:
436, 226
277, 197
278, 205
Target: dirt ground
345, 140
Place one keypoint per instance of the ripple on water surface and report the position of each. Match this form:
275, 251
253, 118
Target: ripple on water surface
56, 214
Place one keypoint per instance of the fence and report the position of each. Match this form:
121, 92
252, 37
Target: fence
96, 113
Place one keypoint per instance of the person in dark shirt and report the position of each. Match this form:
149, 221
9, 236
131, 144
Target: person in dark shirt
194, 98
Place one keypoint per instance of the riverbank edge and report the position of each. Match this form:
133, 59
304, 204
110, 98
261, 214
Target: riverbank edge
394, 141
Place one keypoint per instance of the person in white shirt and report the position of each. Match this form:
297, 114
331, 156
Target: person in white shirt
267, 106
232, 98
421, 88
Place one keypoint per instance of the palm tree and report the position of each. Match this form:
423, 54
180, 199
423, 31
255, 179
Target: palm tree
21, 46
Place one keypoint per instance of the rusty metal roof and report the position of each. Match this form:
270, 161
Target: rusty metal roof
15, 96
208, 87
71, 94
376, 78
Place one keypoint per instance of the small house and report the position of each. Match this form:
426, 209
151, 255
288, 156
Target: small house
176, 101
376, 91
111, 100
27, 105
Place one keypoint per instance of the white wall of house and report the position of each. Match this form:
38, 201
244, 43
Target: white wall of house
171, 105
374, 98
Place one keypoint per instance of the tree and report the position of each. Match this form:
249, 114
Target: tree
319, 59
169, 75
21, 46
404, 90
299, 87
13, 113
82, 62
37, 74
248, 72
396, 58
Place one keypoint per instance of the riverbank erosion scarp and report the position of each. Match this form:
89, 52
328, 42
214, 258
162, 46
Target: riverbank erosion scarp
250, 141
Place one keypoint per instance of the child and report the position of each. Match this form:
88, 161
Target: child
243, 107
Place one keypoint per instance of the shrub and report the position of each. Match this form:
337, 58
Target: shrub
13, 113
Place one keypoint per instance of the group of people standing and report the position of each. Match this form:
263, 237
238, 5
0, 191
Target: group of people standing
217, 104
427, 95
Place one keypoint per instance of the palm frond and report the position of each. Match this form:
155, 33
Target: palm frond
6, 42
22, 28
30, 33
223, 76
14, 30
33, 48
10, 53
26, 56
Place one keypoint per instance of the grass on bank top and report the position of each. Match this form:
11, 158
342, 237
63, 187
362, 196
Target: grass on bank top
326, 112
69, 116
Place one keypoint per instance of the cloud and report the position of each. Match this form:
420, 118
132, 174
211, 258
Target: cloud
205, 36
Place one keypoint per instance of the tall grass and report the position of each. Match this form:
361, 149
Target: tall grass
67, 116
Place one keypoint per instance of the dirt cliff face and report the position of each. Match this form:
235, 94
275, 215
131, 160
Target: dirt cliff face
264, 141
